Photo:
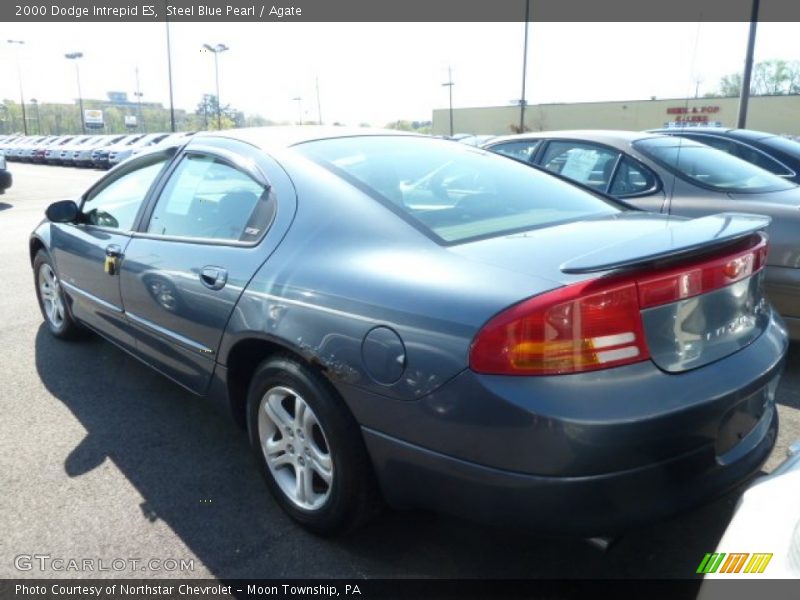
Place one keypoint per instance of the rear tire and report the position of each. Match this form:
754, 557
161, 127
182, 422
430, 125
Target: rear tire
309, 448
51, 299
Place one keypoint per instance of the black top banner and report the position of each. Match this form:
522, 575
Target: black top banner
397, 10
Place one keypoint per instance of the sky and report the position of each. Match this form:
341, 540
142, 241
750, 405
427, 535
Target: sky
379, 72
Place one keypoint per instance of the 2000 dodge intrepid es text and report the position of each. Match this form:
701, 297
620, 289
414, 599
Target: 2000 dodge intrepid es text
394, 317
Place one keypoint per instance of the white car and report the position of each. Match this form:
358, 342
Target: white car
762, 540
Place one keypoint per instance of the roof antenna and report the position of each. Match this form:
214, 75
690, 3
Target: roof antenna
680, 139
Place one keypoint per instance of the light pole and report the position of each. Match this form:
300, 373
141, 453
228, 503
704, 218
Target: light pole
21, 94
217, 50
139, 95
75, 56
35, 103
523, 102
449, 84
299, 101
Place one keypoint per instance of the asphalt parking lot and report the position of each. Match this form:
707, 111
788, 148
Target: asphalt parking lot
102, 458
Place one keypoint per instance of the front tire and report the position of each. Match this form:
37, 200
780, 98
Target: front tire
309, 448
51, 299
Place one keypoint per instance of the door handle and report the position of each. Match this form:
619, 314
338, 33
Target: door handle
113, 254
214, 277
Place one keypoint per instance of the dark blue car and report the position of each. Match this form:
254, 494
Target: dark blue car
394, 317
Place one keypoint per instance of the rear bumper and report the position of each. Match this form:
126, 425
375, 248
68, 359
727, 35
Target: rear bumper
587, 454
605, 504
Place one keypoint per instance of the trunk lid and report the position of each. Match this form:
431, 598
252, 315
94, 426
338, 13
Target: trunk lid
699, 282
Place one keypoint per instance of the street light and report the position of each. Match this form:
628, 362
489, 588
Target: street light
139, 95
299, 101
217, 50
75, 56
449, 84
35, 103
21, 94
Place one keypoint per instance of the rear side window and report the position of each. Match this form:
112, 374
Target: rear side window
523, 150
452, 190
632, 179
585, 163
209, 199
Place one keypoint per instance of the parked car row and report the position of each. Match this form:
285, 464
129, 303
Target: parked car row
99, 151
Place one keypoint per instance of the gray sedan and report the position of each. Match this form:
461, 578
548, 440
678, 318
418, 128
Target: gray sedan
677, 176
394, 317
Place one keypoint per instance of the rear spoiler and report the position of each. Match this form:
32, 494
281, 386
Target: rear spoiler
676, 239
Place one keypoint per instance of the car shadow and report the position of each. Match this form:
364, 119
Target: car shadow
5, 205
193, 468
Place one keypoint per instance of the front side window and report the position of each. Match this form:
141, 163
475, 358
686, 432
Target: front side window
209, 199
709, 167
453, 191
585, 163
115, 205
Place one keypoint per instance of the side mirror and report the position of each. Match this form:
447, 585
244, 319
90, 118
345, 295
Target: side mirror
64, 211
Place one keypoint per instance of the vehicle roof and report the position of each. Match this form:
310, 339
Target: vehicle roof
284, 137
745, 134
608, 136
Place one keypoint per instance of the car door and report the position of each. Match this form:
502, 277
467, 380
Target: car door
207, 230
87, 253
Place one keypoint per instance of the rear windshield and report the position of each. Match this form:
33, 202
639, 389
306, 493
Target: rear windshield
709, 167
783, 144
452, 190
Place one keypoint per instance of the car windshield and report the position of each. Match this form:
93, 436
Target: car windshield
454, 191
710, 167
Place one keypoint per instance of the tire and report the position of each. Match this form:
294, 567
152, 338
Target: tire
51, 299
336, 491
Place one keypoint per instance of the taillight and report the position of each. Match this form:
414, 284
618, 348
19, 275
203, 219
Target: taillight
581, 327
597, 324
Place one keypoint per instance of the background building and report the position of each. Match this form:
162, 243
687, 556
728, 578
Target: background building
777, 114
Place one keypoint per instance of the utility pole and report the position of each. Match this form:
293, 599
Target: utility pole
523, 101
744, 94
169, 72
449, 84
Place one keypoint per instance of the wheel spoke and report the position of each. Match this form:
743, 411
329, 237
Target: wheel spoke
320, 462
304, 485
280, 460
277, 413
300, 412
